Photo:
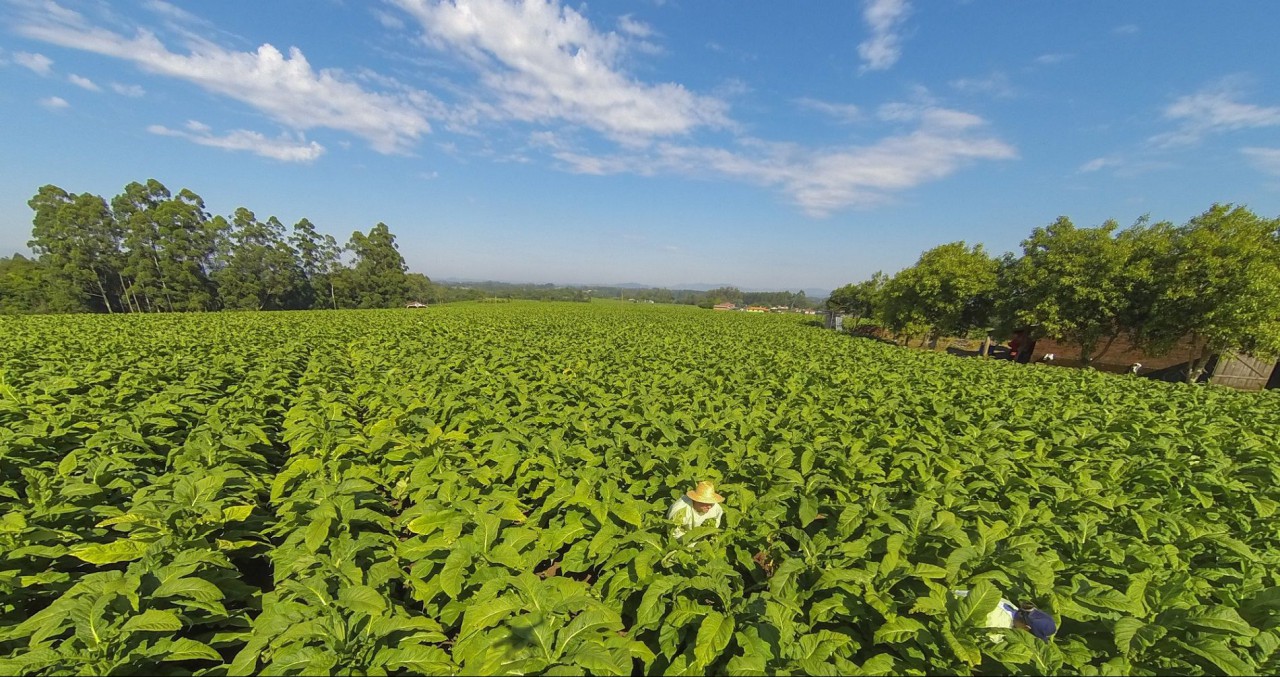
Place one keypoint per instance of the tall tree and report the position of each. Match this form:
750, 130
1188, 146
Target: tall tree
260, 270
171, 244
1072, 283
78, 242
1216, 283
378, 276
319, 256
948, 291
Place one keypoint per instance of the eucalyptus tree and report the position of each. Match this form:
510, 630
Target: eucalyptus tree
260, 270
77, 240
378, 276
320, 258
171, 242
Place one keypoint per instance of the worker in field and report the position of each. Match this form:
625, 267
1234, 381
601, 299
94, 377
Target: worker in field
700, 505
1021, 617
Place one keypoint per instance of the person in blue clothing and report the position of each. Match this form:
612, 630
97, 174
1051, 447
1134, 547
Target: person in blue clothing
1018, 617
1024, 617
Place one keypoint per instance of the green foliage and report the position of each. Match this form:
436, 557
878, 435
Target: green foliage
947, 292
481, 490
1215, 279
1073, 283
28, 286
863, 299
150, 250
259, 269
377, 279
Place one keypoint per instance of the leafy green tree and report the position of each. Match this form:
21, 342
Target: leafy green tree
171, 244
1214, 281
419, 288
724, 295
22, 286
78, 242
1072, 283
949, 290
378, 276
861, 299
320, 258
1150, 251
261, 271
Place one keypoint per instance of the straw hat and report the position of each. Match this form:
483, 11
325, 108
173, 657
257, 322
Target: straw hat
705, 492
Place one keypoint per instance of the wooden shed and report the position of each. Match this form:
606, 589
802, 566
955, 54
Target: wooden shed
1242, 371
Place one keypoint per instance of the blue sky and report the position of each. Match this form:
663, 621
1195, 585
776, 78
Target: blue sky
768, 145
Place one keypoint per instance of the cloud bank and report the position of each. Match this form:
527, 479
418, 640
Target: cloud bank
542, 62
541, 70
284, 87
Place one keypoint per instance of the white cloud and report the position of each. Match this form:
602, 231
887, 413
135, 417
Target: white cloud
286, 147
54, 103
284, 87
1214, 109
37, 63
1127, 29
1099, 163
134, 91
843, 112
884, 47
1050, 59
83, 82
388, 20
173, 12
542, 62
997, 85
1265, 159
823, 180
634, 28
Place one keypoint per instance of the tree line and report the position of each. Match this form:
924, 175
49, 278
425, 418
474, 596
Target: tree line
150, 250
474, 291
1212, 283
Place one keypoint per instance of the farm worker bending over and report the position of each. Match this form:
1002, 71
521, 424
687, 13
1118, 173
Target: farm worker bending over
1024, 617
698, 506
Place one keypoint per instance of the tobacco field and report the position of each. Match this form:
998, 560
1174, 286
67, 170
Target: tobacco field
481, 489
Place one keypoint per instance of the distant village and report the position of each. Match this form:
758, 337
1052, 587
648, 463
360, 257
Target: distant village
763, 309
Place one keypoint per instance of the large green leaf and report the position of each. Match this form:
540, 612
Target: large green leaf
109, 553
362, 599
1218, 654
154, 620
714, 634
485, 615
897, 630
185, 649
417, 659
190, 587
